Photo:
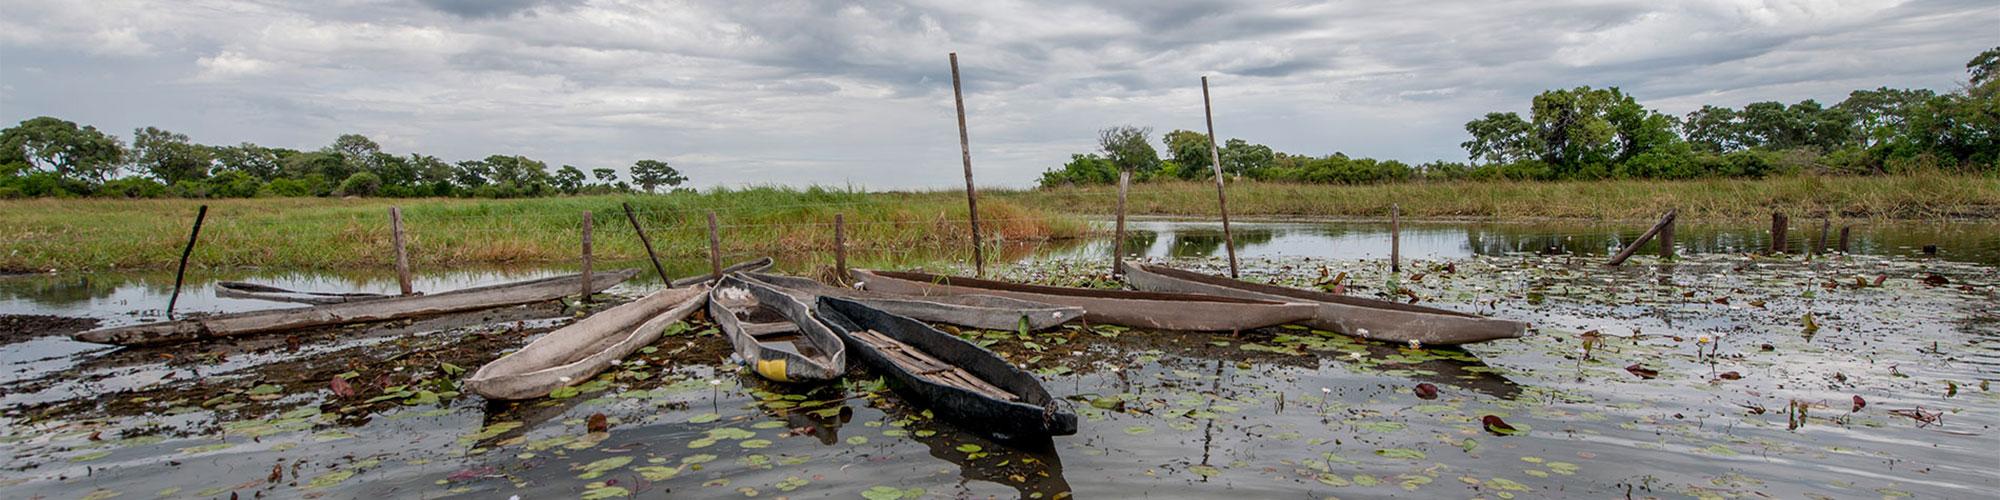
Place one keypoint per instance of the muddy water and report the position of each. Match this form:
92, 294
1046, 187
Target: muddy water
1279, 412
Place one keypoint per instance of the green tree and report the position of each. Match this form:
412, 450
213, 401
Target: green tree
1884, 113
649, 174
71, 152
357, 153
1127, 148
1081, 169
1240, 157
569, 179
360, 184
606, 176
169, 157
1715, 129
1190, 150
1983, 68
1500, 138
256, 161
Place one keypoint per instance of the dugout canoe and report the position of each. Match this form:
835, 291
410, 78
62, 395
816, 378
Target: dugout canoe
575, 353
962, 382
986, 312
749, 266
387, 308
1153, 310
242, 290
774, 333
1362, 317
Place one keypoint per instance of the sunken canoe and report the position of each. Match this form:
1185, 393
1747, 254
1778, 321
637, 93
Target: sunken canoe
749, 266
1367, 318
962, 382
575, 353
388, 308
1153, 310
241, 290
774, 333
988, 312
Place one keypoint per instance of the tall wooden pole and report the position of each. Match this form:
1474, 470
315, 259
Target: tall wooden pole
840, 247
1395, 237
181, 272
585, 296
648, 242
714, 249
965, 151
402, 253
1215, 160
1118, 244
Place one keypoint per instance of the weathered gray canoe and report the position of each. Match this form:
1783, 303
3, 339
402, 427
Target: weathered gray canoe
987, 312
241, 290
388, 308
749, 266
774, 333
1362, 317
575, 353
1159, 311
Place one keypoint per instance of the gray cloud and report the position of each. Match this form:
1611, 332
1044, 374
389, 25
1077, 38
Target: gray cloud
804, 92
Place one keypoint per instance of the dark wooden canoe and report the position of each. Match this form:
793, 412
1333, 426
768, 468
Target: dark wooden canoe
388, 308
749, 266
988, 312
1367, 318
774, 333
241, 290
1159, 311
967, 385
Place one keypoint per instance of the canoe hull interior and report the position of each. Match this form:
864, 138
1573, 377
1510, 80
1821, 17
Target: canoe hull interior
815, 353
987, 312
1035, 413
575, 353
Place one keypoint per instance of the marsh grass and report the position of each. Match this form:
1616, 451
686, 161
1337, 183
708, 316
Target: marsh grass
324, 233
1920, 196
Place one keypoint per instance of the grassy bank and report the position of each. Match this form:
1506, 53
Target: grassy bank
1928, 196
320, 233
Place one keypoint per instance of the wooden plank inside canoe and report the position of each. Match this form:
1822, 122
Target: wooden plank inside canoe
922, 364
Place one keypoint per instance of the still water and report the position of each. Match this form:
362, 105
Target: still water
1746, 400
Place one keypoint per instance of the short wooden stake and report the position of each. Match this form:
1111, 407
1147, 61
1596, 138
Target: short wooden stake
1666, 222
965, 151
714, 249
1825, 229
584, 297
402, 253
1778, 221
1118, 241
1215, 159
1843, 238
1667, 236
1395, 237
648, 242
840, 247
181, 272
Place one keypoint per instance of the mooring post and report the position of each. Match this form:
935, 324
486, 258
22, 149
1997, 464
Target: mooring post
714, 249
1395, 237
1843, 238
1118, 241
1667, 235
965, 151
840, 247
1665, 225
1215, 160
181, 272
648, 242
1777, 232
402, 253
1825, 229
585, 296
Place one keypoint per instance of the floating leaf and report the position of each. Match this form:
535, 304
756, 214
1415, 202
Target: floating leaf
1859, 403
595, 469
1427, 390
1205, 470
1498, 427
969, 448
1642, 372
341, 388
704, 418
1402, 453
597, 423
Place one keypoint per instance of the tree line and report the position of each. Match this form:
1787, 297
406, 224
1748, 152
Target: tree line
1589, 133
51, 157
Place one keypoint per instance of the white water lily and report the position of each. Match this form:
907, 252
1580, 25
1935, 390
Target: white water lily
563, 379
1415, 344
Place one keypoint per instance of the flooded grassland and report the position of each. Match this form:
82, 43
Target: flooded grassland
1720, 375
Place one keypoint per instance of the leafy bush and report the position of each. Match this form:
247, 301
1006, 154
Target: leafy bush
360, 184
132, 187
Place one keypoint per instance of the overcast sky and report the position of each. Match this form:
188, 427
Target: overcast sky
835, 92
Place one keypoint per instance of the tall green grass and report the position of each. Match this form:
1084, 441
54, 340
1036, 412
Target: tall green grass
321, 233
1922, 196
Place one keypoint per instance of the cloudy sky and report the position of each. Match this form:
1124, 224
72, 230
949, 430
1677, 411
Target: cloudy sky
860, 92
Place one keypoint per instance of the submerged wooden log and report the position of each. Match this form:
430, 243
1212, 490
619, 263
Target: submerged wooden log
1666, 221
